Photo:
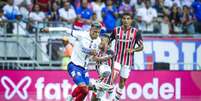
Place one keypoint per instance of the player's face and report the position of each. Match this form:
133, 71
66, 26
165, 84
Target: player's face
94, 33
126, 20
104, 43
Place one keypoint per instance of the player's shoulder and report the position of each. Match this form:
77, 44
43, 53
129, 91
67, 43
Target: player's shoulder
117, 27
135, 28
85, 34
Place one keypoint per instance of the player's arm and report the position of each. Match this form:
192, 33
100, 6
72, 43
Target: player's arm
100, 58
110, 54
139, 42
112, 37
75, 33
57, 29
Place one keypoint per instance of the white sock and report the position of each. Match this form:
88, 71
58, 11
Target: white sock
118, 93
110, 91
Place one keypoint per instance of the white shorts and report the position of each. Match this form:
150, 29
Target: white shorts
123, 69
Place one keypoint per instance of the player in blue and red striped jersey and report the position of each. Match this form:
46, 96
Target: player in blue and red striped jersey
128, 40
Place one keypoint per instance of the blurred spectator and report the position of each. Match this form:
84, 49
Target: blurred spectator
170, 3
67, 14
175, 19
187, 2
125, 7
2, 18
24, 10
97, 6
2, 3
187, 21
20, 27
146, 17
23, 2
43, 4
109, 14
36, 17
76, 4
137, 4
165, 25
36, 14
197, 11
10, 10
153, 2
133, 2
160, 8
53, 13
85, 14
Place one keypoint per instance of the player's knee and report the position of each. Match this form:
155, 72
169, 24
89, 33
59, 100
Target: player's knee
122, 82
85, 89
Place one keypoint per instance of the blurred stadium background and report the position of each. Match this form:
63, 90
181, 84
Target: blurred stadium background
24, 46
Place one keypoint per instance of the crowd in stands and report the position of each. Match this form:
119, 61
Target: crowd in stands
150, 16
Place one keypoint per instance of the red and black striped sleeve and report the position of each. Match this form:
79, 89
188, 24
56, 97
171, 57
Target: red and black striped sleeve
113, 35
139, 40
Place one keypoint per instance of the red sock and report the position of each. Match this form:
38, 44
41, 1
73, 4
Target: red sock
76, 91
83, 93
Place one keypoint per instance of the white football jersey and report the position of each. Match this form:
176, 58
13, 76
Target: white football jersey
81, 48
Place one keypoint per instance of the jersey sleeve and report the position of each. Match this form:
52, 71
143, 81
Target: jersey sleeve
139, 40
64, 29
113, 35
78, 34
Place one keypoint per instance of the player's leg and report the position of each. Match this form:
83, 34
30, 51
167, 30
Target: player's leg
124, 74
83, 85
84, 90
83, 93
115, 73
77, 73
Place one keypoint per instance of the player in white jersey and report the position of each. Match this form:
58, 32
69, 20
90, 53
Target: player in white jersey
86, 47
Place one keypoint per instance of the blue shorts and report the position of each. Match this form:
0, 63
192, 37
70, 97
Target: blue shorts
79, 74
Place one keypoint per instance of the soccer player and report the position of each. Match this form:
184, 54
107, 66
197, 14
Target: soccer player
104, 60
85, 48
128, 40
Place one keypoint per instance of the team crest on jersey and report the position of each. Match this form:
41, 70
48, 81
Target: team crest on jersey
94, 46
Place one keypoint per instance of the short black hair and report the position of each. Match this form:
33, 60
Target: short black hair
127, 14
96, 24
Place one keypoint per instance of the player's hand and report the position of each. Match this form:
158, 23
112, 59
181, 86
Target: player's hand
45, 30
95, 58
130, 50
93, 52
